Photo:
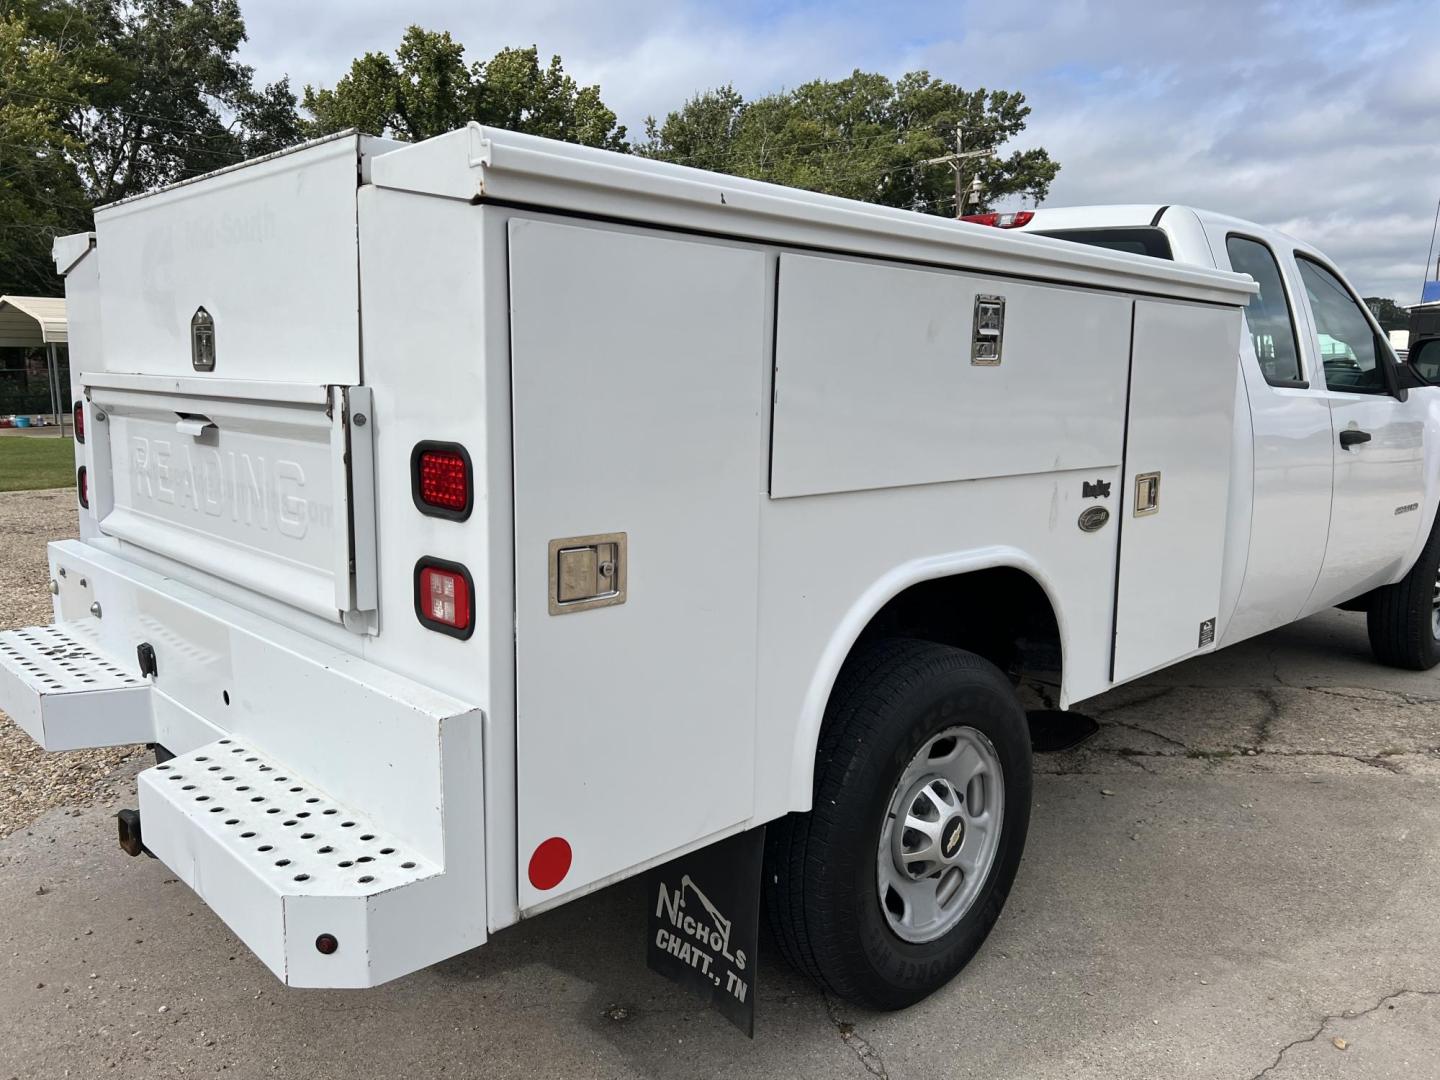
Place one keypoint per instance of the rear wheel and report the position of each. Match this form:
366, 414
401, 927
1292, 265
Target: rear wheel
1404, 618
889, 885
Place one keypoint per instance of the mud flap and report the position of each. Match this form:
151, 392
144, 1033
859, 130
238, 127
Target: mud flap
704, 924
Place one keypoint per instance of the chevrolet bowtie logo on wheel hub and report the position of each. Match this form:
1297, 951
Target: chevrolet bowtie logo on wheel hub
950, 840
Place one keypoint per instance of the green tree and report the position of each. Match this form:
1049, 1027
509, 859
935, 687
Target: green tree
864, 137
40, 193
128, 95
1390, 315
427, 89
173, 100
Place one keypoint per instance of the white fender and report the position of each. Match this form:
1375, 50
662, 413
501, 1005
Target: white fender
865, 608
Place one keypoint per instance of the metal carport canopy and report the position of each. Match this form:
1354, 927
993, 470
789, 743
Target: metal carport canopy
32, 320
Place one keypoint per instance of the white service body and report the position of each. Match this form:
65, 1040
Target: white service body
773, 395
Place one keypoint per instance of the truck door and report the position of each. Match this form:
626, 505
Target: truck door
1378, 443
1291, 442
638, 374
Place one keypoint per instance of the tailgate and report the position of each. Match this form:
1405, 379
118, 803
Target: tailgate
269, 486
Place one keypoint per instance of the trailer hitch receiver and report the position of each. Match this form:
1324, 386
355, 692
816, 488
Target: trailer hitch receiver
129, 828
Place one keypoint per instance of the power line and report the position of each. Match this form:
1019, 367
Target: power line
1430, 254
789, 152
156, 120
173, 146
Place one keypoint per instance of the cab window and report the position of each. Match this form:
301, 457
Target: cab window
1349, 353
1272, 325
1139, 241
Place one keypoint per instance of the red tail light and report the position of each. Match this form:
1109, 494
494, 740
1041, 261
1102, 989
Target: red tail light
82, 484
440, 480
445, 597
1001, 221
79, 421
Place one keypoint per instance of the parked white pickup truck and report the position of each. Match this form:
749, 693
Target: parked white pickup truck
483, 521
1337, 461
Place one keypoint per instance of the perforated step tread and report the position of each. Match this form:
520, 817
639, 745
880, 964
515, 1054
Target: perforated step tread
288, 832
67, 694
54, 661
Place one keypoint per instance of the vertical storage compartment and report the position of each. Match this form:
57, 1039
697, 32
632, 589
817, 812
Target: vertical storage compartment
1176, 488
638, 368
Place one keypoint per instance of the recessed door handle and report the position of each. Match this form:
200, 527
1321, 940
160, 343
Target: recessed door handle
1352, 437
194, 426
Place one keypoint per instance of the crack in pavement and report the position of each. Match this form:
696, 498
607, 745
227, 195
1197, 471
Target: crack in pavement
868, 1055
1159, 692
1272, 713
1275, 667
1274, 705
1131, 756
1333, 690
1145, 731
1135, 760
1401, 696
1325, 1022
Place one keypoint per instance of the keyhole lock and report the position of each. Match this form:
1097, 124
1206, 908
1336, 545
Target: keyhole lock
1147, 494
587, 572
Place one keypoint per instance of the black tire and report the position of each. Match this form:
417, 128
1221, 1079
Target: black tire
1401, 616
821, 885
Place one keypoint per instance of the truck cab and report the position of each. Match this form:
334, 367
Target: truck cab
1335, 438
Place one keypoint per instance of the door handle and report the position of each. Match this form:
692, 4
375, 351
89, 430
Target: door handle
194, 426
1352, 437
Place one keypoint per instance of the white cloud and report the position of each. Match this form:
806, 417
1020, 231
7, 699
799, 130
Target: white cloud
1320, 116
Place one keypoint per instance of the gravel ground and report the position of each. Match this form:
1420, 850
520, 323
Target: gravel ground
32, 780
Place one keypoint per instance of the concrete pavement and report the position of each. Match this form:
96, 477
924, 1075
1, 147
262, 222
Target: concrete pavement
1241, 868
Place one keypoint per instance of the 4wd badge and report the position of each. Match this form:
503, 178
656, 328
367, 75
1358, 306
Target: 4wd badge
202, 340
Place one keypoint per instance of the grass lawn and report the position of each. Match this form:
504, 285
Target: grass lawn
29, 462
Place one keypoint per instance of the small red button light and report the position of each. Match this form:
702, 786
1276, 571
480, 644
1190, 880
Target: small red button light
326, 944
550, 863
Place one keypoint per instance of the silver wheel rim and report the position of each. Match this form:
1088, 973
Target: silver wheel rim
1435, 610
941, 834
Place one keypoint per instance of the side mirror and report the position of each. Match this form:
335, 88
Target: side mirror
1424, 360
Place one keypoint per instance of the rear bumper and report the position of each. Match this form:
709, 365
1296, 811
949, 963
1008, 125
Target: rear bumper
314, 793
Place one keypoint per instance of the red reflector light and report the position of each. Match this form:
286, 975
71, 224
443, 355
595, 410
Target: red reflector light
82, 484
440, 480
1001, 221
444, 597
79, 421
550, 863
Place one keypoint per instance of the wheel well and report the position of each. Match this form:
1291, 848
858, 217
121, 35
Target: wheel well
1002, 614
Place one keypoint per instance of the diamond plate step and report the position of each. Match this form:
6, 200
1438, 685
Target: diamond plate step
66, 694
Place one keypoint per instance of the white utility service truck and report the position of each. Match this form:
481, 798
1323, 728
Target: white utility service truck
483, 521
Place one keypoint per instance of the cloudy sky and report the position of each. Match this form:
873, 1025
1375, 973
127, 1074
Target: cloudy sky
1321, 117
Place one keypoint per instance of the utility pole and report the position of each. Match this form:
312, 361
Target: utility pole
954, 160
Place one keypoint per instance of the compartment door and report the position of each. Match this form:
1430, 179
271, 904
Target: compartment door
638, 367
1177, 483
